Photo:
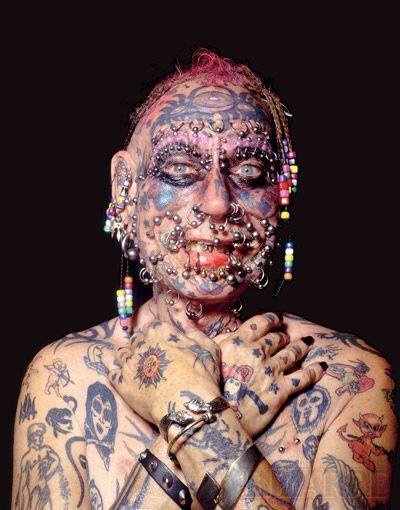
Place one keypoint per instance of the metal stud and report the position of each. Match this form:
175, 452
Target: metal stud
167, 481
153, 465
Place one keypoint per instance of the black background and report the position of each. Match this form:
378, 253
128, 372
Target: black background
73, 78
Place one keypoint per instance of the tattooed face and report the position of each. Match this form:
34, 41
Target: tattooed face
207, 147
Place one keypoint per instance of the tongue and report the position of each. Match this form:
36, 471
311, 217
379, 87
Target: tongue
209, 259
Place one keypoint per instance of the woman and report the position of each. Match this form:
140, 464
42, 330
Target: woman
200, 195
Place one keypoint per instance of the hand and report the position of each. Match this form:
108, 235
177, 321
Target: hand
160, 363
254, 362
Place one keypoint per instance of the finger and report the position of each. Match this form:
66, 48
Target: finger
305, 377
274, 341
257, 326
288, 357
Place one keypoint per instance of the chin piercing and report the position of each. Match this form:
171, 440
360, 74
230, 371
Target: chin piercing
170, 301
192, 313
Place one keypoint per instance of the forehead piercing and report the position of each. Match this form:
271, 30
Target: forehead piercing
157, 220
169, 300
217, 126
174, 128
242, 132
196, 128
194, 311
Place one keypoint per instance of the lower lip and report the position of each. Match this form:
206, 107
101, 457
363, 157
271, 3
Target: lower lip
208, 259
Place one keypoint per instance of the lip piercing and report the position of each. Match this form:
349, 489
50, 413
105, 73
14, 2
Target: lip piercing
196, 129
171, 301
194, 315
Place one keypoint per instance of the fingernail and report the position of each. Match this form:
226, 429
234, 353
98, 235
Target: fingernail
308, 340
324, 365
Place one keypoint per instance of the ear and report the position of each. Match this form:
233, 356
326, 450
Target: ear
122, 171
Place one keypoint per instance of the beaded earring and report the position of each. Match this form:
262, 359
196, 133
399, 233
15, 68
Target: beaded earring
125, 295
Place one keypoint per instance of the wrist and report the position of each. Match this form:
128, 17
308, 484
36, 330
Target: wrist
162, 406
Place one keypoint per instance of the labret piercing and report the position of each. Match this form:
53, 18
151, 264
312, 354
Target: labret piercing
287, 179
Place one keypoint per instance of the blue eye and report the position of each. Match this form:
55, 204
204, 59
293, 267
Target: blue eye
178, 169
248, 171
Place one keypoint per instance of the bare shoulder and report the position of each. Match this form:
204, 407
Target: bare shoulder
355, 367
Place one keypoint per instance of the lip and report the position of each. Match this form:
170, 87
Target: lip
208, 259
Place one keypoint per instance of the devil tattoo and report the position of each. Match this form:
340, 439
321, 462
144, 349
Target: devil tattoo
371, 427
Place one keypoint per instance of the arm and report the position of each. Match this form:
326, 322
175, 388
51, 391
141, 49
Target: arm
213, 449
47, 444
353, 466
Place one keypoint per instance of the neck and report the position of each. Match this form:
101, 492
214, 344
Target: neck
215, 317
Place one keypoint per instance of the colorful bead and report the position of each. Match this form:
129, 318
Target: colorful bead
285, 215
288, 276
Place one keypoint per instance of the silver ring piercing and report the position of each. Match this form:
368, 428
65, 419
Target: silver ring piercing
147, 280
128, 248
193, 315
234, 215
171, 302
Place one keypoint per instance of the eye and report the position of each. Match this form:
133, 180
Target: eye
302, 402
251, 171
96, 406
178, 169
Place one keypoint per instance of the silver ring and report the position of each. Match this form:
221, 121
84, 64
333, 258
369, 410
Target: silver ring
236, 209
194, 316
258, 282
147, 280
198, 221
171, 302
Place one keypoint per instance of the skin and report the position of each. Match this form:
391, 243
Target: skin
297, 436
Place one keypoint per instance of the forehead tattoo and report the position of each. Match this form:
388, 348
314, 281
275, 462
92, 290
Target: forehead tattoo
192, 133
216, 106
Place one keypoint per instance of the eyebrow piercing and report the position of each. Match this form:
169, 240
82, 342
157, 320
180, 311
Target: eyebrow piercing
196, 129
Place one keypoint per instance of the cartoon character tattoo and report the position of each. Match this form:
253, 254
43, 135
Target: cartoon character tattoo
58, 377
38, 466
310, 408
371, 427
60, 420
94, 357
353, 377
236, 389
101, 420
151, 366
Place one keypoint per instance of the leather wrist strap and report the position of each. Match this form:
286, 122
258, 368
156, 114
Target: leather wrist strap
210, 494
166, 479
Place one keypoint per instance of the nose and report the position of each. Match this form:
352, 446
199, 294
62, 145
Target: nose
216, 200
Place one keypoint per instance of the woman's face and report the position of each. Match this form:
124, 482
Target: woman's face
209, 147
